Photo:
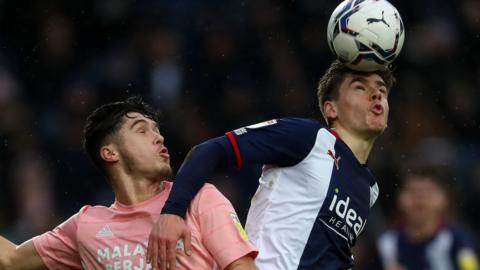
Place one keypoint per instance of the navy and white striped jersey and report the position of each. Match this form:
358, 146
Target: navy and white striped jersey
314, 196
451, 248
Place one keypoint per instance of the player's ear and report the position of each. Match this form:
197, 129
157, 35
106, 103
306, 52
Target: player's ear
330, 109
109, 153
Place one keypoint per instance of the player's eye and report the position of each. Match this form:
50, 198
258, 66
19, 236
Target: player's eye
141, 130
360, 87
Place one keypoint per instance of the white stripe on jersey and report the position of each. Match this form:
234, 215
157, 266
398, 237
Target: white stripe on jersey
387, 247
438, 251
286, 204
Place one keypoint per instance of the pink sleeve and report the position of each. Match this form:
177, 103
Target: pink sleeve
58, 247
221, 231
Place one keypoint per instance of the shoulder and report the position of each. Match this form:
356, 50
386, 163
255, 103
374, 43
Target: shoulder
291, 124
459, 231
91, 213
208, 199
210, 194
288, 130
302, 123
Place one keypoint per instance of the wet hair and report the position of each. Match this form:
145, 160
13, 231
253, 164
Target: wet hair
104, 122
329, 84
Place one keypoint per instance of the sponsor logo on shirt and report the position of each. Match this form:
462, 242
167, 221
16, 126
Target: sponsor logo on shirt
104, 232
120, 257
127, 256
345, 220
336, 159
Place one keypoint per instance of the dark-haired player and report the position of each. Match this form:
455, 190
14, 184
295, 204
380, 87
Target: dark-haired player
124, 141
315, 191
426, 239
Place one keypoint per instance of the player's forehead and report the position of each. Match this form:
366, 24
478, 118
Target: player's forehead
421, 182
367, 78
132, 119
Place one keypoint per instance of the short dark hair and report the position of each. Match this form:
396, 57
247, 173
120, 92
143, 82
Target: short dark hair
440, 175
332, 79
106, 120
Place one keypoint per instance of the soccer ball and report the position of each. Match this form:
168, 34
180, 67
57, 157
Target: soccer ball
367, 35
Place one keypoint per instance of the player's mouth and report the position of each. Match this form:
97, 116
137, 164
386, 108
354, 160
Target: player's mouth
377, 109
164, 152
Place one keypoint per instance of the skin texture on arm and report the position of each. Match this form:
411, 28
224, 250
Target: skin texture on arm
244, 263
7, 249
24, 256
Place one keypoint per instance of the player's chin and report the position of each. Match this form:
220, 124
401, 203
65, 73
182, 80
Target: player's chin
376, 130
378, 125
165, 171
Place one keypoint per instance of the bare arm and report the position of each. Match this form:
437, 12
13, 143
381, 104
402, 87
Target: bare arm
7, 249
244, 263
24, 256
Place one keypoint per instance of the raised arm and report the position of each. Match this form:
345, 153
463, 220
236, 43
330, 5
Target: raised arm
24, 256
283, 142
201, 162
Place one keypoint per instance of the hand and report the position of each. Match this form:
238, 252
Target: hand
162, 243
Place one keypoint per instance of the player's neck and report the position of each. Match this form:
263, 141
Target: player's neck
418, 231
360, 146
134, 189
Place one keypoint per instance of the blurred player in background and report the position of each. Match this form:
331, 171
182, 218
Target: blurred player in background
426, 240
124, 141
315, 191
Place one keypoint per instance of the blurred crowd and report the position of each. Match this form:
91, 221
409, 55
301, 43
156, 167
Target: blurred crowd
212, 66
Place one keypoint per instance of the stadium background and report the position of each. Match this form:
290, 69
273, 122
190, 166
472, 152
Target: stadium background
212, 66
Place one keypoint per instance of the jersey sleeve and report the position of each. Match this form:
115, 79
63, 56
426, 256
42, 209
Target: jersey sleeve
221, 231
282, 142
58, 248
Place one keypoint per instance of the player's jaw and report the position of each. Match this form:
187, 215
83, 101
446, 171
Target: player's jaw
371, 101
362, 105
143, 149
147, 161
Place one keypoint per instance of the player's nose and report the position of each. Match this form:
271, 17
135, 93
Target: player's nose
376, 94
159, 139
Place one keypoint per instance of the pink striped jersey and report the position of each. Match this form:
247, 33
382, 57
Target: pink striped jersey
116, 237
